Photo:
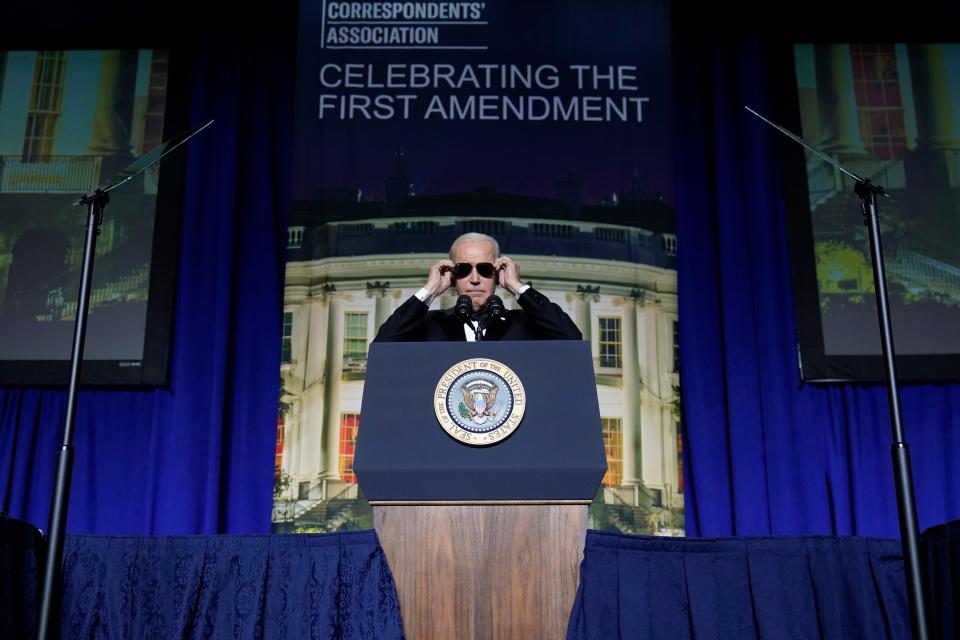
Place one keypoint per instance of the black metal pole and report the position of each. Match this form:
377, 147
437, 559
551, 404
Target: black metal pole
50, 594
903, 474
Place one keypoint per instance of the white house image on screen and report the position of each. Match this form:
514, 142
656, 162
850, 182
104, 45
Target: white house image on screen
69, 120
887, 112
333, 306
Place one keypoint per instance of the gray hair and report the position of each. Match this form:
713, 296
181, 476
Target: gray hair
476, 237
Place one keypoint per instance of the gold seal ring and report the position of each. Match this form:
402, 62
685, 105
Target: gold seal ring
479, 401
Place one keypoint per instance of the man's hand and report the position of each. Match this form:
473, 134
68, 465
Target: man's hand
508, 274
440, 277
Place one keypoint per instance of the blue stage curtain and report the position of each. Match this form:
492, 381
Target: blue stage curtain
740, 588
196, 457
280, 586
765, 454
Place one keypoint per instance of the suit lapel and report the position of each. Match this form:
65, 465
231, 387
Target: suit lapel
452, 327
497, 328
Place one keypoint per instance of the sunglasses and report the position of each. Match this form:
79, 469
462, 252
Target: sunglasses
463, 269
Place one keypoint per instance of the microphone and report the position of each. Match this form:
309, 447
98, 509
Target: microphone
464, 308
490, 311
494, 307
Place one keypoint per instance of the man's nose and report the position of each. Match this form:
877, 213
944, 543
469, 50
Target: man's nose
474, 276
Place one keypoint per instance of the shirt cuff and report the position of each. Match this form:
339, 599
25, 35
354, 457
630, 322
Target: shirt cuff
521, 290
423, 295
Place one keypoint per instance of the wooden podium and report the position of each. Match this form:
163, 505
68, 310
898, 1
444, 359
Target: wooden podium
483, 570
482, 542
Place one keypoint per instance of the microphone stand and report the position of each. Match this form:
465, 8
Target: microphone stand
867, 191
902, 470
96, 201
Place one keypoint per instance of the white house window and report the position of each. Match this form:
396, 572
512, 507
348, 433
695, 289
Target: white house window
286, 351
45, 102
610, 344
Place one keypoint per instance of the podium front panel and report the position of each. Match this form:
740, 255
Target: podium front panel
555, 453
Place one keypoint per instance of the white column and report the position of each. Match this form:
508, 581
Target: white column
314, 346
382, 311
109, 133
651, 451
304, 427
291, 440
309, 330
380, 292
331, 389
581, 315
932, 97
632, 441
839, 121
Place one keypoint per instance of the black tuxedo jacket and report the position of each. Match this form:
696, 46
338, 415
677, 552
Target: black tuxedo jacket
539, 319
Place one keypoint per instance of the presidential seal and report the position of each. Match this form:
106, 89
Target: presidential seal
479, 401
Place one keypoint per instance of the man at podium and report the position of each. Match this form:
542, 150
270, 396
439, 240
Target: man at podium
476, 268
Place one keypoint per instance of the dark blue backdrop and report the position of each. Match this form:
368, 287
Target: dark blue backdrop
764, 454
197, 457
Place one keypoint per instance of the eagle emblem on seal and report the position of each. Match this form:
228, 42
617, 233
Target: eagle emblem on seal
479, 402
